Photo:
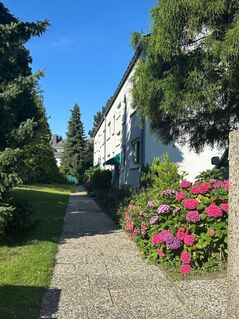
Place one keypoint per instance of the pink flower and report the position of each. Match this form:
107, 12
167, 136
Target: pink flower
143, 228
176, 209
159, 238
153, 219
225, 207
214, 211
160, 253
190, 203
180, 196
211, 232
163, 209
185, 184
189, 240
185, 257
193, 216
185, 269
151, 203
180, 234
136, 232
226, 185
204, 188
223, 184
195, 190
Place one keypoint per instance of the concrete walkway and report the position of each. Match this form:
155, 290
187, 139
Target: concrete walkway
99, 274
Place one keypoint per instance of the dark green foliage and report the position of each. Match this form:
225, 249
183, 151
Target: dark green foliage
101, 179
21, 114
73, 158
215, 173
187, 81
22, 216
38, 162
145, 176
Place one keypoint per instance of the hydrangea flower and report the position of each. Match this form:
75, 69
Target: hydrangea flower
159, 238
225, 207
189, 240
204, 188
180, 234
163, 209
151, 203
185, 269
190, 203
180, 196
136, 232
173, 243
213, 211
193, 216
211, 232
168, 192
143, 228
185, 184
195, 190
185, 257
176, 209
160, 253
153, 219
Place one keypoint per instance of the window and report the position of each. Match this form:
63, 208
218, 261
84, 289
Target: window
136, 152
109, 130
113, 129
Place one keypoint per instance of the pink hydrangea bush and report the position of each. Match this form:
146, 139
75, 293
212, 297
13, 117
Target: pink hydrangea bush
184, 227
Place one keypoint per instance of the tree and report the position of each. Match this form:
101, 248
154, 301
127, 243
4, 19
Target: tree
98, 117
38, 162
18, 112
74, 147
187, 81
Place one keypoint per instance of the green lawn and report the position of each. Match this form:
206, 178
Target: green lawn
26, 262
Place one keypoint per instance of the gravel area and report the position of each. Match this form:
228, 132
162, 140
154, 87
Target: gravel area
100, 274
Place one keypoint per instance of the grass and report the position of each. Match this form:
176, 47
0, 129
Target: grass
27, 260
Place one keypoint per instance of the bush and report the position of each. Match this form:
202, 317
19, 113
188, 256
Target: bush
6, 212
22, 216
101, 179
96, 178
215, 173
16, 215
161, 174
184, 227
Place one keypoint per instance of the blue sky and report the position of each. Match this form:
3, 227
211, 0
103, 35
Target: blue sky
84, 53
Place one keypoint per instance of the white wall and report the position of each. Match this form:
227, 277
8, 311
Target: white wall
188, 160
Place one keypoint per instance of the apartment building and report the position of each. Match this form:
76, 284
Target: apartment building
123, 144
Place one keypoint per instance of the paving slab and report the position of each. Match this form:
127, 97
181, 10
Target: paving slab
99, 273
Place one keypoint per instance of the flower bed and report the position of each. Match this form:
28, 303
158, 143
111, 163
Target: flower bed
184, 228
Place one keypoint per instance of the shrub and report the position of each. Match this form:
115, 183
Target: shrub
16, 215
161, 174
101, 179
215, 173
96, 178
6, 211
187, 221
22, 216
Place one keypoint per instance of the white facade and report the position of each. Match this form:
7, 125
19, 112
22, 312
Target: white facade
121, 133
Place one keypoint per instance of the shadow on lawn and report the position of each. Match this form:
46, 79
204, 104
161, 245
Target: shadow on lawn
49, 215
22, 302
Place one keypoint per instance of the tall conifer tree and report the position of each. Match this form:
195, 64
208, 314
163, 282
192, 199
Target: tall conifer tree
74, 147
19, 113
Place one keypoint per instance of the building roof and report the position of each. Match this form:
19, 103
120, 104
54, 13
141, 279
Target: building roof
122, 82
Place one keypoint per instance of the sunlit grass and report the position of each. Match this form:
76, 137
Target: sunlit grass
27, 261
